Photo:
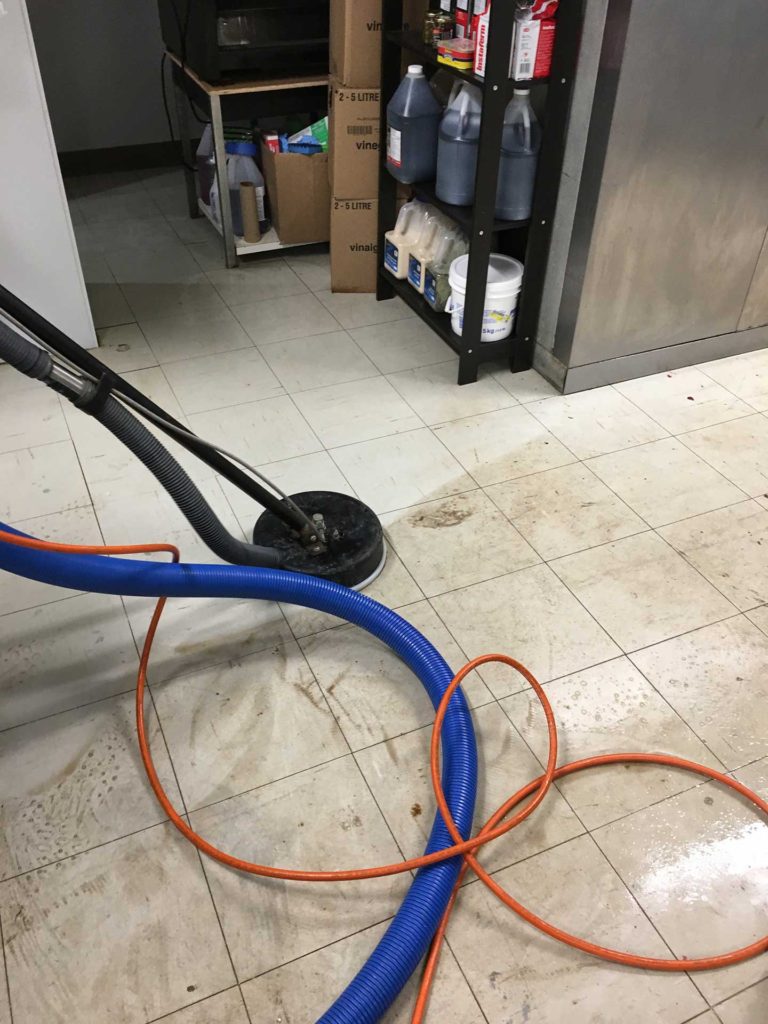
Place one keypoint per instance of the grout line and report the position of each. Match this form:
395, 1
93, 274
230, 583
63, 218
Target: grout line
700, 515
673, 433
161, 823
635, 899
34, 447
747, 988
188, 1006
463, 973
351, 751
529, 857
246, 1011
561, 789
5, 972
537, 759
327, 945
185, 811
681, 554
264, 785
66, 595
191, 359
749, 764
66, 711
663, 639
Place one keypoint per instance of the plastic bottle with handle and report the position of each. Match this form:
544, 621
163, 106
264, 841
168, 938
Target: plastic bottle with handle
437, 287
424, 250
413, 119
241, 167
459, 141
206, 165
520, 145
400, 240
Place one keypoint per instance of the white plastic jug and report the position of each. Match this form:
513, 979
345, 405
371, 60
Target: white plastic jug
437, 289
404, 235
241, 167
423, 251
504, 282
206, 165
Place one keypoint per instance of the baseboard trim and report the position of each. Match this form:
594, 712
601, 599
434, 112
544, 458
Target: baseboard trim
120, 158
660, 360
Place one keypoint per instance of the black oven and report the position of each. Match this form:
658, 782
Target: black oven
219, 39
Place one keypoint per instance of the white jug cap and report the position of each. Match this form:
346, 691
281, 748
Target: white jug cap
415, 69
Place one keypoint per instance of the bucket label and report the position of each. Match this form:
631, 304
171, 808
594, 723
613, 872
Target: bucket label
391, 257
496, 316
414, 271
430, 288
395, 147
496, 322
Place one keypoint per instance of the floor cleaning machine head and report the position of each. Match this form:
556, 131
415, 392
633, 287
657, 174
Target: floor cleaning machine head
320, 533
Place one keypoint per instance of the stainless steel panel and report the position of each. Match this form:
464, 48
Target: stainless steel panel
590, 47
683, 205
657, 360
756, 307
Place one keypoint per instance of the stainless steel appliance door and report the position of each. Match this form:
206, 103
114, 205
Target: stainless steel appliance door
682, 209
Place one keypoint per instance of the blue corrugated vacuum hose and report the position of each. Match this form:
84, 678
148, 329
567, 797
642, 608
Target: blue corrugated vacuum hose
397, 955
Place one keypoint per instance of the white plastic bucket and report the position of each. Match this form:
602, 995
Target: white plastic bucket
505, 280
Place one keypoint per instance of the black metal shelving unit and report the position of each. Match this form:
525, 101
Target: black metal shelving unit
478, 221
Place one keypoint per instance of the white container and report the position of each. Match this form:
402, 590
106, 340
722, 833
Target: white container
437, 288
423, 251
505, 280
405, 234
240, 167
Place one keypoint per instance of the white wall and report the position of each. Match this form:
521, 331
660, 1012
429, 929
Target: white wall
100, 62
38, 255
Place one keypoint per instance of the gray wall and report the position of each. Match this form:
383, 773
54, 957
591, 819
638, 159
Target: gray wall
100, 61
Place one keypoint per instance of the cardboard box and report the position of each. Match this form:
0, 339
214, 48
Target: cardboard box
355, 142
299, 195
533, 49
533, 42
356, 42
354, 245
463, 16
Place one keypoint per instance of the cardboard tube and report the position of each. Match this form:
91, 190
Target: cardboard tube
250, 211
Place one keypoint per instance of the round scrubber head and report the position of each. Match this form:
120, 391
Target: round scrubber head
354, 551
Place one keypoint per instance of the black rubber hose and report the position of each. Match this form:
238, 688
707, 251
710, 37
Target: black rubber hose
146, 447
23, 355
55, 339
32, 361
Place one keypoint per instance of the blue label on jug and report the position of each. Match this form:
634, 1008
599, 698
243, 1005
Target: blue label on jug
430, 288
414, 271
391, 257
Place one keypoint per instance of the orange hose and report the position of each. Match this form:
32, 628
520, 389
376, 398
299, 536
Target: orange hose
88, 549
495, 827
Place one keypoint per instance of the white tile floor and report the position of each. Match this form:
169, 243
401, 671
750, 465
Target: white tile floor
615, 541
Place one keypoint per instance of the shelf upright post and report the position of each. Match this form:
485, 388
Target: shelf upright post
495, 99
391, 64
225, 202
182, 113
